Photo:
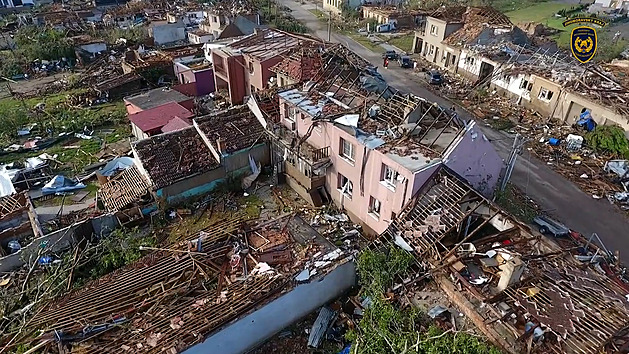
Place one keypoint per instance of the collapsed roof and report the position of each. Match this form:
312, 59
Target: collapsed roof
350, 93
237, 128
521, 277
170, 157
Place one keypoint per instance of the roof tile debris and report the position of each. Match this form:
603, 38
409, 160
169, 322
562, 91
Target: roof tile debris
578, 305
168, 301
170, 157
161, 116
237, 128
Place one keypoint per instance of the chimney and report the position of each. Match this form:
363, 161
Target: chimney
221, 145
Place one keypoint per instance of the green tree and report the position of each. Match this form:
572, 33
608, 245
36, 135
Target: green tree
44, 44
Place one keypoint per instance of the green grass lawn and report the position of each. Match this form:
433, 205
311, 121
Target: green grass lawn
543, 13
364, 41
403, 42
320, 14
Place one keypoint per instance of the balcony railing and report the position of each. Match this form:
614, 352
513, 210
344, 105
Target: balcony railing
320, 154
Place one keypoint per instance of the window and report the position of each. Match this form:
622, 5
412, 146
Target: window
290, 112
250, 68
432, 50
345, 186
545, 94
389, 176
216, 19
526, 85
347, 150
469, 60
374, 207
434, 30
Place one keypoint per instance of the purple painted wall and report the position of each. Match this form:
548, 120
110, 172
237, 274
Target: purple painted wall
203, 79
474, 158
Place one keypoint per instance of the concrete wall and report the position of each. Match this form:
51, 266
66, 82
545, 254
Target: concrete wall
544, 107
254, 329
240, 159
230, 71
60, 240
474, 158
168, 33
193, 186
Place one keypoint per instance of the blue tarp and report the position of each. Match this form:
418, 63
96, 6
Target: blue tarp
586, 121
60, 184
116, 165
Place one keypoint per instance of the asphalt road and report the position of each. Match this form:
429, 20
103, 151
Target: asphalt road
555, 194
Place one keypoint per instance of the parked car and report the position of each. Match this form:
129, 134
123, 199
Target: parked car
390, 54
434, 77
405, 61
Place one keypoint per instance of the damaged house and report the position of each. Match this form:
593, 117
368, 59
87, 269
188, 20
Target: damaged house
193, 160
18, 222
350, 138
234, 136
177, 164
248, 281
482, 25
244, 66
524, 291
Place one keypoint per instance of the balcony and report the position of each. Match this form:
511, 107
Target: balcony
315, 157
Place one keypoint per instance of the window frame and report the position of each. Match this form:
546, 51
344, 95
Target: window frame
352, 151
342, 181
373, 209
390, 180
545, 94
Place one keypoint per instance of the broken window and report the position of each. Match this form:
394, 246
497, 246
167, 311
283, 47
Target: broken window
345, 186
526, 85
250, 67
432, 50
389, 176
434, 30
469, 60
374, 206
347, 150
545, 94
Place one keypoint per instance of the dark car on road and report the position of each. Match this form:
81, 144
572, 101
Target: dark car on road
390, 54
405, 62
434, 77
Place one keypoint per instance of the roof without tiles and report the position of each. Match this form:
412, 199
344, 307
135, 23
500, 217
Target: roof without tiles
171, 157
268, 43
155, 98
158, 117
300, 65
238, 128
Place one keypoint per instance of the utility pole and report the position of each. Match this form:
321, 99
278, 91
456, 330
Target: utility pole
518, 143
329, 25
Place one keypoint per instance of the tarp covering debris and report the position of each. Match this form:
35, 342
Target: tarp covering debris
60, 184
116, 165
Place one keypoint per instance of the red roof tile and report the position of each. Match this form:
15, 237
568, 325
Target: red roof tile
156, 118
175, 124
